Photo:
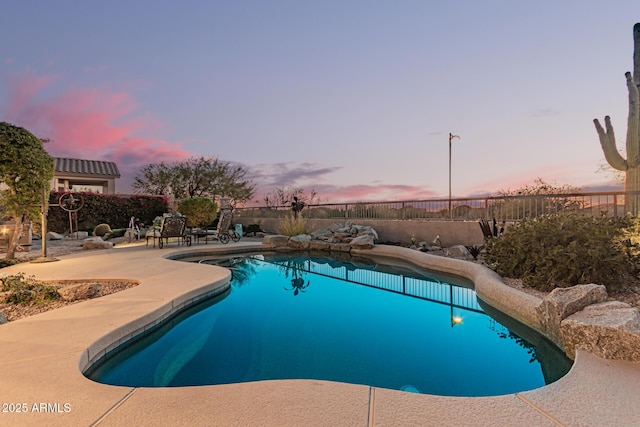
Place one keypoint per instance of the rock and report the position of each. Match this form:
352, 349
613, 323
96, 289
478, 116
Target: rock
54, 236
362, 242
342, 235
322, 234
36, 236
337, 237
562, 303
80, 292
610, 330
80, 235
316, 245
130, 235
301, 241
428, 247
457, 251
96, 243
366, 230
335, 227
3, 318
275, 241
339, 247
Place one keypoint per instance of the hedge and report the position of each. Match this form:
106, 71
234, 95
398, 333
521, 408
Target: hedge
113, 209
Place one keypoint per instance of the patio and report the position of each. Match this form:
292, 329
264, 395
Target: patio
42, 357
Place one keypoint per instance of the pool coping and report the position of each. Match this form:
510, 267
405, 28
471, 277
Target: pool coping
42, 357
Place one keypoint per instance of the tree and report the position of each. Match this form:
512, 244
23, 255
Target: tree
25, 169
154, 179
196, 177
284, 196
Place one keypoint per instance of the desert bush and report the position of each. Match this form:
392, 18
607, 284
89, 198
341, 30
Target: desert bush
562, 250
292, 225
101, 230
199, 211
26, 290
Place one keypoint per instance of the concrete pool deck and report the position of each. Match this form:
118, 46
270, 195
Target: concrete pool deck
41, 358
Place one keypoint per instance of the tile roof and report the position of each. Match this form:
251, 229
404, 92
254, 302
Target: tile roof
86, 167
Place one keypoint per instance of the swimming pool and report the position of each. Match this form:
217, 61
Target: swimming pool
362, 322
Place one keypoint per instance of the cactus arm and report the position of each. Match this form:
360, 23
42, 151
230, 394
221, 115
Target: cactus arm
633, 145
608, 143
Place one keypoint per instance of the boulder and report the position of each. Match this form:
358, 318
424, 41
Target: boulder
96, 243
316, 245
322, 234
362, 242
275, 241
80, 292
130, 235
3, 318
562, 303
457, 251
339, 247
366, 230
428, 247
335, 227
301, 241
342, 235
610, 330
54, 236
80, 235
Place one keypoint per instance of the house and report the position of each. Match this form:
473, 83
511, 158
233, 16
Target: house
94, 176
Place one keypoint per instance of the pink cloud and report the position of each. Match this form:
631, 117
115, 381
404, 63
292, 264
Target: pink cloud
359, 193
91, 123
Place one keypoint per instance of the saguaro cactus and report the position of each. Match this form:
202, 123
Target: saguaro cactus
631, 166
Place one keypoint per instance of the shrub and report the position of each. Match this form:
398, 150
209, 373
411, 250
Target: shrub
8, 262
101, 230
118, 232
292, 226
27, 290
113, 209
562, 250
199, 211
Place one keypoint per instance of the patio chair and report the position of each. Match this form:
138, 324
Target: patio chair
222, 232
174, 227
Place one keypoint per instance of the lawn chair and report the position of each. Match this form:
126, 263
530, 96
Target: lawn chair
174, 227
222, 232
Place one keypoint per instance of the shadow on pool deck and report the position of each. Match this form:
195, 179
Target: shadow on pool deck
41, 360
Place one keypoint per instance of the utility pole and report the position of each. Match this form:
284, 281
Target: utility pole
451, 136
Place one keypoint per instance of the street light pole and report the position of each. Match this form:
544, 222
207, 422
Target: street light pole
451, 136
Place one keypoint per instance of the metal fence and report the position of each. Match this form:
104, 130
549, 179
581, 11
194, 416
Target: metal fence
503, 208
452, 295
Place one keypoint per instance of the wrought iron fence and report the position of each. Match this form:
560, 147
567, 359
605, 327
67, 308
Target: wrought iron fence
502, 208
452, 295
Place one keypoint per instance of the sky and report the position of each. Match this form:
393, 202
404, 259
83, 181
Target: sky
353, 99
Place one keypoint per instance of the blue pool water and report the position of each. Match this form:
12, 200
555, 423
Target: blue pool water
293, 317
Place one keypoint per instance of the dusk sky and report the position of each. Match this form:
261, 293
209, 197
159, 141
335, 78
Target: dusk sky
355, 99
